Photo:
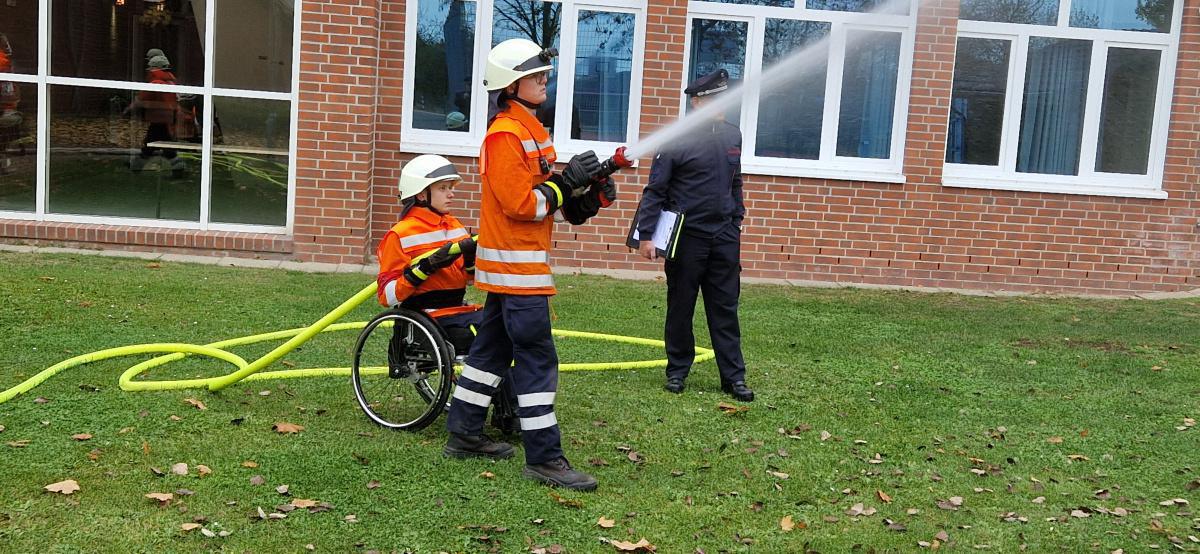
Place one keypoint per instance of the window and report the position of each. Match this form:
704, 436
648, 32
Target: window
596, 81
824, 94
1067, 96
169, 113
18, 106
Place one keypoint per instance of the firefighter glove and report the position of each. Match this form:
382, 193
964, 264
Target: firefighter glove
580, 172
427, 264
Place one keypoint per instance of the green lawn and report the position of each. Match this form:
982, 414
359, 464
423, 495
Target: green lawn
1039, 417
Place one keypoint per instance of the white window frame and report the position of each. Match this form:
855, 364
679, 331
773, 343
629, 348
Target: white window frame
44, 80
1004, 176
456, 143
829, 165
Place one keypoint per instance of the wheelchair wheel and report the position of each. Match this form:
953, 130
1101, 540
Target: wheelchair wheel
402, 370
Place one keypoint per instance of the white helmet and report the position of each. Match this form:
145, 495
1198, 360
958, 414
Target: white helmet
515, 58
158, 62
423, 171
154, 52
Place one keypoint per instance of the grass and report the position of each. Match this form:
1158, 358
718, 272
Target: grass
914, 391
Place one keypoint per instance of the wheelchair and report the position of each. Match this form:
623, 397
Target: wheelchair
404, 370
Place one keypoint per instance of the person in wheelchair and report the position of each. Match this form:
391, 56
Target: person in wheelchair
426, 261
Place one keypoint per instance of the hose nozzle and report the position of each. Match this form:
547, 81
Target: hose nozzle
617, 162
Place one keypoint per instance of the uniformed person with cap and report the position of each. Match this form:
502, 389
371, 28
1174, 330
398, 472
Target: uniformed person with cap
700, 176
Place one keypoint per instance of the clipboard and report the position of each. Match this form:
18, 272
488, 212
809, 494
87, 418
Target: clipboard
666, 233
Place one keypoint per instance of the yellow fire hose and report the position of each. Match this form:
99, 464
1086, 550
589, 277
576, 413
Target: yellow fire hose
251, 370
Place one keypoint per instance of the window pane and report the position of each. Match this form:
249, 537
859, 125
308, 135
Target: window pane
1123, 15
719, 44
116, 153
104, 40
888, 6
18, 37
868, 94
254, 44
18, 145
977, 103
1127, 115
773, 3
250, 161
445, 46
603, 61
536, 21
789, 115
1056, 82
1032, 12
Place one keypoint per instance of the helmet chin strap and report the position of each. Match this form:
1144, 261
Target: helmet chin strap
526, 103
412, 201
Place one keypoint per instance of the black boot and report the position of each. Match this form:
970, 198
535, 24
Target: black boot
558, 473
738, 390
674, 385
477, 446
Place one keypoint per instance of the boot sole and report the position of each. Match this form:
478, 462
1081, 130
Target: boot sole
464, 454
527, 473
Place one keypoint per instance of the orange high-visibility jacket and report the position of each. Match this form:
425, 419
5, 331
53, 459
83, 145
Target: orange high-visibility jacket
420, 231
10, 95
515, 222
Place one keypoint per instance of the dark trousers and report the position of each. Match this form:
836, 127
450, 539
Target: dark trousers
709, 265
514, 342
154, 133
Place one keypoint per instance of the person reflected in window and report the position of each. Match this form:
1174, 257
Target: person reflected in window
10, 98
160, 110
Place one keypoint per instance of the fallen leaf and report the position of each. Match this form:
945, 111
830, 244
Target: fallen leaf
884, 496
303, 503
40, 400
264, 393
568, 502
257, 480
1078, 457
351, 518
287, 428
642, 545
1120, 512
175, 418
1039, 500
18, 444
81, 436
250, 463
189, 526
778, 474
1080, 514
204, 531
203, 470
373, 484
157, 472
198, 404
282, 489
179, 469
825, 435
488, 475
184, 492
787, 524
605, 522
956, 500
153, 265
942, 536
94, 454
728, 408
64, 487
1055, 440
161, 497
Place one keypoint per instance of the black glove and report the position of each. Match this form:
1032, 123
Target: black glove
580, 172
467, 246
420, 269
606, 191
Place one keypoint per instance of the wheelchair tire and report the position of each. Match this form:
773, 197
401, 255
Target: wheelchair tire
402, 370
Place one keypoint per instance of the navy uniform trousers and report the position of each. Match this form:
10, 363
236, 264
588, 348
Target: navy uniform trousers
514, 342
710, 265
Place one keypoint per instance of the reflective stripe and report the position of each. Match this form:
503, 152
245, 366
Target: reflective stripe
417, 271
514, 281
389, 293
512, 256
433, 236
543, 206
472, 397
539, 422
480, 376
545, 145
530, 146
535, 399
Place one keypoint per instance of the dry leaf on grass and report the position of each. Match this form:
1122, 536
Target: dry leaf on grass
1055, 440
787, 524
198, 404
304, 503
161, 497
81, 436
778, 474
568, 502
883, 496
250, 464
728, 408
642, 545
373, 484
287, 428
605, 522
189, 526
258, 480
488, 475
179, 468
63, 487
282, 489
203, 470
18, 444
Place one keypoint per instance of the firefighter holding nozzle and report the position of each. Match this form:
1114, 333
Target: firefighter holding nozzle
519, 198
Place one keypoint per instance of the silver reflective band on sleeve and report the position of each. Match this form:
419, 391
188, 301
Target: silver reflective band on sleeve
514, 281
530, 146
545, 145
480, 376
389, 293
543, 206
539, 422
455, 233
512, 256
432, 236
472, 397
535, 399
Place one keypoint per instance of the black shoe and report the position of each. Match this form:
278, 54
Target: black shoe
477, 446
558, 473
675, 385
738, 390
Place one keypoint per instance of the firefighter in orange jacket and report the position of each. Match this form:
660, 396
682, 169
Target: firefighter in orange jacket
10, 97
519, 197
426, 259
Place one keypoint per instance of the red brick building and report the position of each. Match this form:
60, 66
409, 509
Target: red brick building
1032, 145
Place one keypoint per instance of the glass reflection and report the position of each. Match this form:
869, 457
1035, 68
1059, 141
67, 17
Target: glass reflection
18, 145
119, 42
250, 161
445, 43
118, 153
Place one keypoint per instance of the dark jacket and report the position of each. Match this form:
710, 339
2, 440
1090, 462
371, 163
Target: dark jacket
700, 176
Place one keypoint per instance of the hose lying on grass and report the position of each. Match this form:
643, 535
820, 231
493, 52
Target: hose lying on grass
252, 371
